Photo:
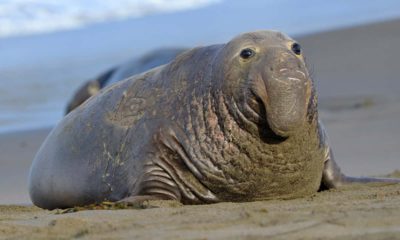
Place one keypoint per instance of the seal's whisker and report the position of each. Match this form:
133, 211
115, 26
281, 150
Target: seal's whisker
294, 79
304, 75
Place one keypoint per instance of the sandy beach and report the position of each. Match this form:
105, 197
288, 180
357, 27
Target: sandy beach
357, 212
356, 71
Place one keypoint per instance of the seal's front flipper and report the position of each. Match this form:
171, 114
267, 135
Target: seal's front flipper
332, 177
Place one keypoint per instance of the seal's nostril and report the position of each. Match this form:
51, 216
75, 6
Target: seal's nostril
271, 69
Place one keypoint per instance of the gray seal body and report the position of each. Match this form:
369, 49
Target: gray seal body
229, 122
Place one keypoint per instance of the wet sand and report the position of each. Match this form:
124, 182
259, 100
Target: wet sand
356, 71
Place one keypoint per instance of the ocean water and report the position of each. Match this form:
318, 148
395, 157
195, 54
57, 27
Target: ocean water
25, 17
49, 48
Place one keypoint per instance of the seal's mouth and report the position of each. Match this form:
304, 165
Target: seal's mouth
267, 134
271, 136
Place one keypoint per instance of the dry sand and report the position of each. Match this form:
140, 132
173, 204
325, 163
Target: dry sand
356, 212
357, 73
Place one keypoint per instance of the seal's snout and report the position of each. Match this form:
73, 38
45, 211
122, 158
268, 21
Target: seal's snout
287, 85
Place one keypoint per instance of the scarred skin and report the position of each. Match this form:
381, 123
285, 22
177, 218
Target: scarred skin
213, 125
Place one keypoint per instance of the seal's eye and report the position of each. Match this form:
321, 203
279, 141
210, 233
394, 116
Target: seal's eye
296, 48
247, 53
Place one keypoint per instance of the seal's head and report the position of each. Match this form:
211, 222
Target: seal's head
270, 67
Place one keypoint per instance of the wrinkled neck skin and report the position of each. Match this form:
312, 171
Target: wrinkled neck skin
229, 146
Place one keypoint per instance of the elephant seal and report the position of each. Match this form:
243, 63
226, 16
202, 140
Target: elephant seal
120, 72
228, 122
